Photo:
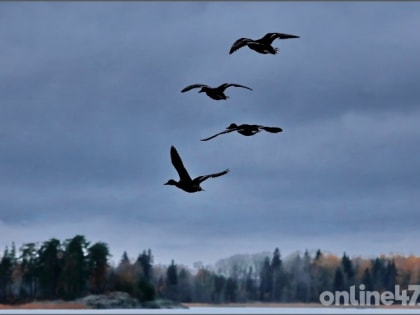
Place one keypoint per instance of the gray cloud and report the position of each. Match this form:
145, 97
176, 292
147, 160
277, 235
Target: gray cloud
90, 104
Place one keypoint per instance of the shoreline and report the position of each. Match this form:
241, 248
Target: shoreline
76, 305
296, 305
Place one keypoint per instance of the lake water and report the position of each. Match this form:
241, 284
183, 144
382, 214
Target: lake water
229, 310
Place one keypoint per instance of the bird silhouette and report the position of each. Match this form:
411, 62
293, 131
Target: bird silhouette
216, 93
185, 182
246, 130
262, 45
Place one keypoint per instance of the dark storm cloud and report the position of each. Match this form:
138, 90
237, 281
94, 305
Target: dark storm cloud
90, 104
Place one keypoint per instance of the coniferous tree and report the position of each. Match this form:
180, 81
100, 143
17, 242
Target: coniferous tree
250, 286
219, 286
279, 277
145, 260
125, 277
338, 280
29, 260
304, 279
6, 269
230, 290
367, 280
266, 281
390, 276
49, 268
172, 281
348, 271
97, 260
75, 268
378, 274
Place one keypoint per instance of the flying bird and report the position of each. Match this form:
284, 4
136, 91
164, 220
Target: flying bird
262, 45
185, 182
246, 130
216, 93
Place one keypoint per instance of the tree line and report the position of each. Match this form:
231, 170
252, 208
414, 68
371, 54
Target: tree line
74, 268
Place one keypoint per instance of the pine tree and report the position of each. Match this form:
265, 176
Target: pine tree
49, 268
6, 269
338, 280
219, 286
97, 261
279, 280
378, 274
266, 281
348, 271
125, 277
145, 260
250, 286
390, 276
230, 290
367, 280
75, 268
172, 281
30, 275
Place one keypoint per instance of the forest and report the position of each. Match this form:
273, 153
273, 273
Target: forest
74, 268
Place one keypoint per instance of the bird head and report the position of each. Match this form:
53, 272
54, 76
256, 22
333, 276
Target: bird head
170, 182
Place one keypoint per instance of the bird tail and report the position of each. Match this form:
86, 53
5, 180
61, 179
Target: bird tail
272, 129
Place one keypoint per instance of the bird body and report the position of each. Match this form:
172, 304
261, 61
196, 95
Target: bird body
216, 93
245, 130
262, 45
185, 182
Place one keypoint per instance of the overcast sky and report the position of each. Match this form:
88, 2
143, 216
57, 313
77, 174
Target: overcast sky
90, 104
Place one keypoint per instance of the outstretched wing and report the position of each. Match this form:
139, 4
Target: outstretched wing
201, 179
193, 86
241, 42
272, 129
270, 37
217, 134
179, 166
226, 85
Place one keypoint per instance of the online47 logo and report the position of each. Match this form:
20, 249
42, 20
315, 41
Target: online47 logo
407, 297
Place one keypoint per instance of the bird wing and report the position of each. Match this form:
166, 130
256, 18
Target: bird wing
241, 42
193, 86
270, 37
272, 129
226, 85
202, 178
217, 134
179, 166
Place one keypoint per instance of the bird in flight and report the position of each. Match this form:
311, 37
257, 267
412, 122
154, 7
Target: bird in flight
185, 182
216, 93
262, 45
246, 130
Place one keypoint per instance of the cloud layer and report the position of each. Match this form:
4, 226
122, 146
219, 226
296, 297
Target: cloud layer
90, 104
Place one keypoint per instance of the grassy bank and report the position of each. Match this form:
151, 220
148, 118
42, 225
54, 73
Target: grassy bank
45, 306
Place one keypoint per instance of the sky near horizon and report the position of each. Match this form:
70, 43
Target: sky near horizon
90, 104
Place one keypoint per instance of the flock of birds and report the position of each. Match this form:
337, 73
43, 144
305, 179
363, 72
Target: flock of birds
262, 46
